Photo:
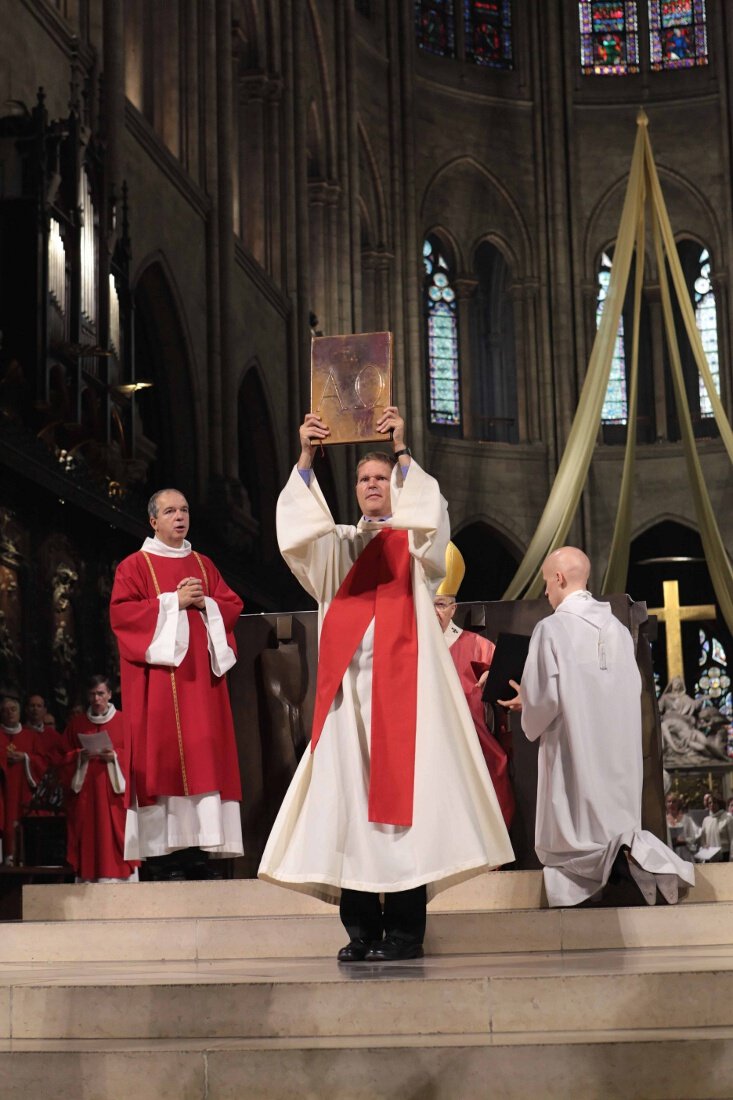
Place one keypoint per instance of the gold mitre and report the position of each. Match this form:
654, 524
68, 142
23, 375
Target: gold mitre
455, 571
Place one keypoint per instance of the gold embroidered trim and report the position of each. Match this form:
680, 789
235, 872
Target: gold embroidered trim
201, 567
174, 689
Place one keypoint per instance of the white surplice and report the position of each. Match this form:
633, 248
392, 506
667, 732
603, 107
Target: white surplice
322, 839
581, 693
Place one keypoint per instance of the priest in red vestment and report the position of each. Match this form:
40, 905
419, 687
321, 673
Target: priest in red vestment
472, 656
22, 764
95, 805
174, 619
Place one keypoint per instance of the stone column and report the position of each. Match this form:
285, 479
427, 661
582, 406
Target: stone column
252, 190
317, 246
211, 167
465, 287
225, 153
190, 155
273, 253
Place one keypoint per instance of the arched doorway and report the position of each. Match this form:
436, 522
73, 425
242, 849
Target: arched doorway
668, 551
490, 564
166, 410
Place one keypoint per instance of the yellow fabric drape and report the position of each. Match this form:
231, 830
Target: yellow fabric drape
562, 503
618, 561
564, 497
716, 556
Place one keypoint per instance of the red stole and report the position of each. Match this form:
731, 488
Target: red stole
378, 586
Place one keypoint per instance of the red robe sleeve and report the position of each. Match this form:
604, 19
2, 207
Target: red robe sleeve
133, 612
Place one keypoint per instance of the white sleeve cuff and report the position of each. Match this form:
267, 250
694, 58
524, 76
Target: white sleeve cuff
28, 774
116, 777
170, 640
79, 775
221, 653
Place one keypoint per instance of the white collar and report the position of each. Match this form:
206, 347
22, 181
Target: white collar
155, 546
12, 730
38, 728
100, 719
452, 633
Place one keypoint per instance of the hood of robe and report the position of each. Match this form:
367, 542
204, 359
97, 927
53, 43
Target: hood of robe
598, 615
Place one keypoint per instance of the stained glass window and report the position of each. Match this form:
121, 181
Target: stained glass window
435, 27
609, 38
442, 337
714, 681
615, 408
488, 32
678, 37
707, 322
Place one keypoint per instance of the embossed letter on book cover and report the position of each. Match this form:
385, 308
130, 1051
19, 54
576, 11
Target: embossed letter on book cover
351, 384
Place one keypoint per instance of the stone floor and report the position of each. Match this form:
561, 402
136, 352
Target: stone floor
165, 992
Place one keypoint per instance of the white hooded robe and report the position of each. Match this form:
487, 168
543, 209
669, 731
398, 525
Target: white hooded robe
581, 695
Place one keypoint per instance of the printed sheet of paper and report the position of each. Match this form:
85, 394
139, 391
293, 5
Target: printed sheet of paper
351, 384
95, 743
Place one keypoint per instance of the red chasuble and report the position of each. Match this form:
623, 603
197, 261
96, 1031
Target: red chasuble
179, 734
96, 815
471, 654
17, 791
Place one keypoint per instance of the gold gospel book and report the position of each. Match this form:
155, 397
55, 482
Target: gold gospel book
351, 384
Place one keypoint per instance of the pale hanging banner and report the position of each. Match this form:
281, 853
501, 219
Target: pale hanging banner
572, 472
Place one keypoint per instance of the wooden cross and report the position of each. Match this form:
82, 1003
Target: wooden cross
672, 615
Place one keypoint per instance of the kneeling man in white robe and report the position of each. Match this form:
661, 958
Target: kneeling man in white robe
393, 797
581, 696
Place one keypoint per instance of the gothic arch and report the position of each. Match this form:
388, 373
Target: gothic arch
168, 410
501, 244
690, 212
450, 246
491, 560
475, 199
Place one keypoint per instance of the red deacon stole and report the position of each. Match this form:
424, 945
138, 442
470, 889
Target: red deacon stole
378, 586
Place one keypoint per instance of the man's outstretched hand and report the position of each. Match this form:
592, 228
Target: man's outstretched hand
516, 702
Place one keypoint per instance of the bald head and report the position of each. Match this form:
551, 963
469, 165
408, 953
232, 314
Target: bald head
565, 570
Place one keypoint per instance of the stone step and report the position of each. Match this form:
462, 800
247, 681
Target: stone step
689, 1064
503, 890
320, 936
511, 997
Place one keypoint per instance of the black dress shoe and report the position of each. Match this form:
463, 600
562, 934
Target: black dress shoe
391, 950
355, 951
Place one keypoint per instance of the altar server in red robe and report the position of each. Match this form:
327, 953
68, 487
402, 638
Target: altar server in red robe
22, 764
472, 656
95, 806
174, 619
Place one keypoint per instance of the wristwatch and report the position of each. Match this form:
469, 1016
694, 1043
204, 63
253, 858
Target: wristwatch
404, 451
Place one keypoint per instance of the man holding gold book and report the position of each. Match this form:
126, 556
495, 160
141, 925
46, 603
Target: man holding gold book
393, 797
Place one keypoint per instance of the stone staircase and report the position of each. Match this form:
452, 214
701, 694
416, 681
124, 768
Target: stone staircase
213, 990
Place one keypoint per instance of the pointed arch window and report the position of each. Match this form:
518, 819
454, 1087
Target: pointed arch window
706, 318
615, 405
441, 337
488, 32
435, 27
609, 37
678, 36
